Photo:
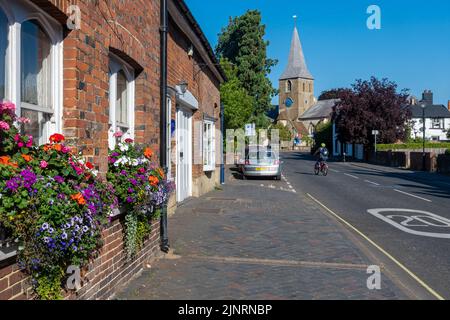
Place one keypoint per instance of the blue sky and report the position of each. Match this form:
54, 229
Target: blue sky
412, 47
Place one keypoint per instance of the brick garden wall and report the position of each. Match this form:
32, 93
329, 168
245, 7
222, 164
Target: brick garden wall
105, 274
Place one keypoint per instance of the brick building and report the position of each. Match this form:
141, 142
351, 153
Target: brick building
101, 77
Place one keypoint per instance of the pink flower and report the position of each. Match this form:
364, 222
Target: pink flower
29, 142
17, 137
65, 149
23, 120
4, 125
44, 164
118, 134
21, 144
6, 105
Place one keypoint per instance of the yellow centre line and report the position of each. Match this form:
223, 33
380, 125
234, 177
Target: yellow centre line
421, 282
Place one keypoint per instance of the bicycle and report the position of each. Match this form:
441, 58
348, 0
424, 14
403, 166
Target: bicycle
321, 167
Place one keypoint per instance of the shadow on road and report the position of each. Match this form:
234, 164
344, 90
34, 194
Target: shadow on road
431, 184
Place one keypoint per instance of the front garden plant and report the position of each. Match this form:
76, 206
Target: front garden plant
56, 205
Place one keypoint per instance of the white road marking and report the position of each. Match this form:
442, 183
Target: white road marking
412, 195
419, 221
334, 170
351, 176
416, 278
374, 183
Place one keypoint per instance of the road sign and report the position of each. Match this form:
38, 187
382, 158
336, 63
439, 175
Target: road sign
375, 132
250, 130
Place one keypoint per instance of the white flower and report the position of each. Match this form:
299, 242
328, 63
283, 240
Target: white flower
123, 147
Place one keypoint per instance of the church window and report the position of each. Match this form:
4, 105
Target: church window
288, 86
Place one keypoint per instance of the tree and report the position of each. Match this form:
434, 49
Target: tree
323, 134
448, 134
372, 105
238, 104
284, 134
242, 44
333, 93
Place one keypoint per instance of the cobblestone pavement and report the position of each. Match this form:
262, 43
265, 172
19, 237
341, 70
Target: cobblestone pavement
258, 239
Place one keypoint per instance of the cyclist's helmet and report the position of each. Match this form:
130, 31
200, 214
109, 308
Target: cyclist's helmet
323, 145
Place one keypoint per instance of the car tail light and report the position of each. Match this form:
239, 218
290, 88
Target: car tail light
247, 162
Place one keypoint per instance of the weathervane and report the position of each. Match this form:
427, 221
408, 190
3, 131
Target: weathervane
295, 19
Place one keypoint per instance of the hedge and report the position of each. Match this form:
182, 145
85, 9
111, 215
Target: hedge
405, 146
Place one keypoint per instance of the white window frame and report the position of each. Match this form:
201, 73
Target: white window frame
209, 146
18, 12
436, 120
116, 65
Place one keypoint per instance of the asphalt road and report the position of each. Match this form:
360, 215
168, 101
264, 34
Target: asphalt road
415, 228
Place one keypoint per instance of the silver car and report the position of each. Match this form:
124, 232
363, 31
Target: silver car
262, 164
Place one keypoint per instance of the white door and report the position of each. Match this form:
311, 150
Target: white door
184, 154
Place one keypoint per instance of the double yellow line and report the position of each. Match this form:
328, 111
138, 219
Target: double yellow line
415, 277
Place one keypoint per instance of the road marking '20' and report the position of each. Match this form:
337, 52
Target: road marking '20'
415, 221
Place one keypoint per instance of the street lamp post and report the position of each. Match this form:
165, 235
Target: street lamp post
423, 142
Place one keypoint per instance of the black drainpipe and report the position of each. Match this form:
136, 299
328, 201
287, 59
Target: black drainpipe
163, 158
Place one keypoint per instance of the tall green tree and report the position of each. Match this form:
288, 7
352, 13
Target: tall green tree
242, 44
238, 104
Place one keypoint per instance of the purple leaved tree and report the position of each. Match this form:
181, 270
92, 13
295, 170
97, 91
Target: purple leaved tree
372, 105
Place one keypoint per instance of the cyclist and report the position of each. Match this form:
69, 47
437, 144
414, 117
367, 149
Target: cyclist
323, 154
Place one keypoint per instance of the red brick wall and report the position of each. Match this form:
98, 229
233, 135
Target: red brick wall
130, 27
104, 275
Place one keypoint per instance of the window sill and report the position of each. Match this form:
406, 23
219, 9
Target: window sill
8, 255
208, 168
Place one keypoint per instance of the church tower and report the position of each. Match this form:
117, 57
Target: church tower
296, 84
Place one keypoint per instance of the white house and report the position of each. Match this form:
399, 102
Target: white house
437, 118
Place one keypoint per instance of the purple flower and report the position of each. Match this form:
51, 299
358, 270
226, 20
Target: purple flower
130, 200
64, 236
130, 190
59, 179
133, 182
123, 173
45, 226
85, 229
51, 230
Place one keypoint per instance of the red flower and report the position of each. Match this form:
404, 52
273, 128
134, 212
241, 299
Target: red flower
89, 165
129, 140
57, 138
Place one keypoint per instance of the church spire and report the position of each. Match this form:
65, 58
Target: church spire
296, 67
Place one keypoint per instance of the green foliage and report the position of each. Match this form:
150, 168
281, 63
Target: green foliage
242, 43
323, 134
447, 151
238, 104
333, 93
448, 134
284, 133
412, 146
142, 188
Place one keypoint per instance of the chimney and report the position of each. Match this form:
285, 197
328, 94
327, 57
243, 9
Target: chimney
448, 105
427, 97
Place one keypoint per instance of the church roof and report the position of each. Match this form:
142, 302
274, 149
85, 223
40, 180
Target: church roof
323, 109
296, 67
